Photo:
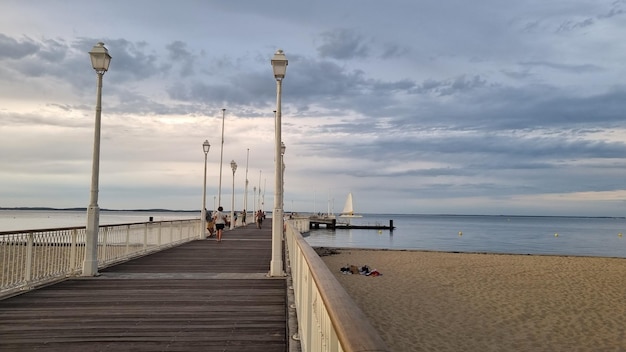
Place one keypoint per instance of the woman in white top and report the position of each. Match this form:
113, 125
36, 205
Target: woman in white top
220, 222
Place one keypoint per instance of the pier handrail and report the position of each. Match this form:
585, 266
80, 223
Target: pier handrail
31, 258
328, 318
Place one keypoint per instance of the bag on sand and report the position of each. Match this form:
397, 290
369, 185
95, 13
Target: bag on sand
354, 269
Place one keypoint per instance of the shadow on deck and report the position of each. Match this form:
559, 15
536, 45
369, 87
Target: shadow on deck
200, 296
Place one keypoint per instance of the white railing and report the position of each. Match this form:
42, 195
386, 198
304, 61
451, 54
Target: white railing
328, 318
34, 257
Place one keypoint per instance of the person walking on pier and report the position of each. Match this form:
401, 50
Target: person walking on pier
243, 218
210, 225
220, 222
259, 219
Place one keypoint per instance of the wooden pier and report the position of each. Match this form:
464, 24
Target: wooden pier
200, 296
333, 224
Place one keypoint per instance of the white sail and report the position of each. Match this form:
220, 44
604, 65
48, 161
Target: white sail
348, 209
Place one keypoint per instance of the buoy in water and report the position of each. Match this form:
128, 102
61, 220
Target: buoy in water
619, 234
380, 231
460, 233
556, 235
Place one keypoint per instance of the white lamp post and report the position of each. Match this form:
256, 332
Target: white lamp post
279, 65
100, 60
219, 191
205, 147
282, 174
245, 192
233, 165
259, 199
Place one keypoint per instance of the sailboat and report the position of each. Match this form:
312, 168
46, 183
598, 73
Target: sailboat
348, 209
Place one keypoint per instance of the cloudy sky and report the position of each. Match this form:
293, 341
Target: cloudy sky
429, 107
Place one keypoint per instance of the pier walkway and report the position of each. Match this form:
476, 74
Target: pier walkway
200, 296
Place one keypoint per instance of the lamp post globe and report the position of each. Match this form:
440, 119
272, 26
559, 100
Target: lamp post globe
205, 148
100, 61
100, 58
233, 166
279, 66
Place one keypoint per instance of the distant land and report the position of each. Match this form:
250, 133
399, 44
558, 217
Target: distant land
85, 209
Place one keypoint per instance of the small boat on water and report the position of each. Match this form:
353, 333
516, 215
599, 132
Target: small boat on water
330, 222
348, 209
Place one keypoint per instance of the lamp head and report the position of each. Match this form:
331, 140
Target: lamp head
100, 58
206, 146
233, 165
279, 64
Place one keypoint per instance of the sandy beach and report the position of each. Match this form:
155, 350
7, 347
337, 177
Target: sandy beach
433, 301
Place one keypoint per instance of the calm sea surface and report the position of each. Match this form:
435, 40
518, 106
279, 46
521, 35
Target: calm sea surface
11, 220
492, 234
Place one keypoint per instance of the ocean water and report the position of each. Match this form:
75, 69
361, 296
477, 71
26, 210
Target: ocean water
576, 236
12, 220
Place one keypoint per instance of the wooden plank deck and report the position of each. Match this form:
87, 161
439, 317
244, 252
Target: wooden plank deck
200, 296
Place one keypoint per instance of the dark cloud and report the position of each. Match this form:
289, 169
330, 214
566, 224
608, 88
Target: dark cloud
584, 68
11, 48
247, 89
569, 25
460, 84
391, 50
33, 58
342, 44
130, 60
479, 105
179, 54
53, 51
615, 10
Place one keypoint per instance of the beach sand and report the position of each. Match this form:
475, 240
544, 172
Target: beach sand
434, 301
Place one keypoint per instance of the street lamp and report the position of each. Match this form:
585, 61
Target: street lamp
282, 174
233, 165
245, 192
219, 192
205, 147
100, 60
259, 205
279, 65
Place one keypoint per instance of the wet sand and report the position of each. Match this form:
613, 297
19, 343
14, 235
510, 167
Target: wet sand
434, 301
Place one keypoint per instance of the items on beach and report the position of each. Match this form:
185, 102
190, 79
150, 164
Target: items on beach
364, 270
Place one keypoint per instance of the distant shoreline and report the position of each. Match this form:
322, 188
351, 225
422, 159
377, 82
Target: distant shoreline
85, 209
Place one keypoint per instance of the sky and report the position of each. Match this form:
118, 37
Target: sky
416, 107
